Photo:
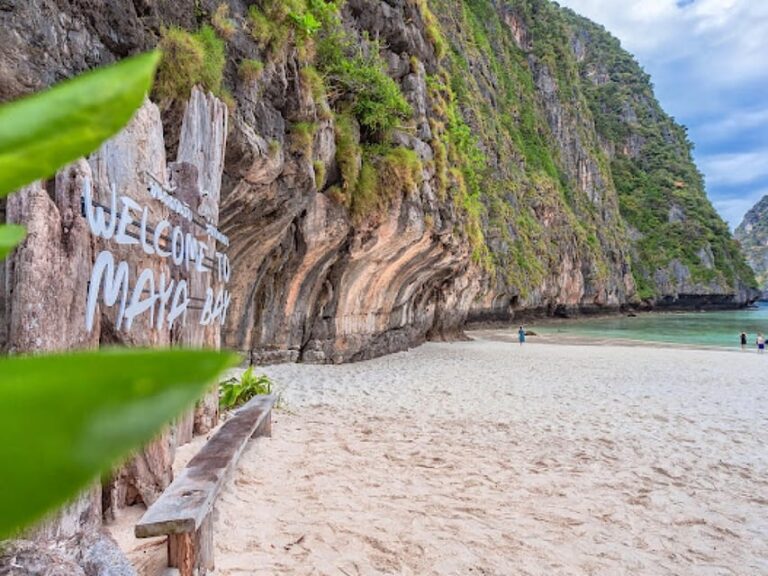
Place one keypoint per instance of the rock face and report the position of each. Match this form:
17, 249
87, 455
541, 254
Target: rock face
547, 176
682, 254
752, 233
45, 283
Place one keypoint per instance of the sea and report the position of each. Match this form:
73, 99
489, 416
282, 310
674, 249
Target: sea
719, 328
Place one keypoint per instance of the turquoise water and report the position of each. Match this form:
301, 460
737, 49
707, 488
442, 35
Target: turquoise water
721, 328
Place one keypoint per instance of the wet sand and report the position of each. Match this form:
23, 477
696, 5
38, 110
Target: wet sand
487, 458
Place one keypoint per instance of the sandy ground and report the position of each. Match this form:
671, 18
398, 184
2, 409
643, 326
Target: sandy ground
487, 458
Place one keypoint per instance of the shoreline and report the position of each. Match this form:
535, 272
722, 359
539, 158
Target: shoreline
542, 316
556, 339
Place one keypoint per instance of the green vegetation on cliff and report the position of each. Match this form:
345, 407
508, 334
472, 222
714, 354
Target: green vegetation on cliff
567, 179
189, 60
752, 234
570, 125
661, 191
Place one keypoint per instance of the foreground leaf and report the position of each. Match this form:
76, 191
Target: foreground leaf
10, 236
65, 419
41, 133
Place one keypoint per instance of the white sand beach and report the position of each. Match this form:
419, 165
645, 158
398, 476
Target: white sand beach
487, 458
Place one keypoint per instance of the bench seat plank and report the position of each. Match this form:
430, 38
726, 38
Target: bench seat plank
184, 505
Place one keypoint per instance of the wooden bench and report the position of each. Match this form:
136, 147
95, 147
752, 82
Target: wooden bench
183, 511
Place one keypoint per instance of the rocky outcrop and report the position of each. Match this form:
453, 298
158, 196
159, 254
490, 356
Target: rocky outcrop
46, 282
682, 254
752, 234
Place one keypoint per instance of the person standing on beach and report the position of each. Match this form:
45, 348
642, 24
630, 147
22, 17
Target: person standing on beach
743, 340
521, 335
760, 343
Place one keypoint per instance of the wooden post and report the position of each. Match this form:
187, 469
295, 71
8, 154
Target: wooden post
265, 427
205, 546
181, 553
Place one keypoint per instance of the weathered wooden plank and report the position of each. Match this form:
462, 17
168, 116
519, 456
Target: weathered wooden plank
184, 505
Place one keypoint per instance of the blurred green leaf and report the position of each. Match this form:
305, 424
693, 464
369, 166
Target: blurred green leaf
10, 236
43, 132
66, 418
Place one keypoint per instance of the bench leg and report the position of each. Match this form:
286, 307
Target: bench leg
181, 553
192, 553
205, 546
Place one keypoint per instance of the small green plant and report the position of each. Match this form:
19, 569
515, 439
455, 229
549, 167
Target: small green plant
189, 60
434, 33
311, 80
319, 168
302, 137
273, 148
358, 79
214, 49
348, 152
386, 173
251, 69
236, 392
305, 23
223, 24
261, 27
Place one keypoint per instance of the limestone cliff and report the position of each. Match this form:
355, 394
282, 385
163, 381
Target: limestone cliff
395, 168
752, 233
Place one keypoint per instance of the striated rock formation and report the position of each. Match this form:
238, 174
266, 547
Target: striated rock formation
516, 162
752, 233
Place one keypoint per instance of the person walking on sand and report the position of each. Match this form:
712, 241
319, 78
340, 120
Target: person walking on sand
743, 340
760, 343
521, 335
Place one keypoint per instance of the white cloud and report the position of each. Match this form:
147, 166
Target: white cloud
724, 41
734, 122
734, 209
709, 62
733, 169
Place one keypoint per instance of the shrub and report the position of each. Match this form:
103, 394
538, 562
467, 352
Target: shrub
319, 168
348, 152
366, 199
189, 60
311, 79
434, 33
262, 29
222, 23
305, 23
403, 170
359, 77
251, 69
215, 58
302, 137
385, 174
234, 392
181, 65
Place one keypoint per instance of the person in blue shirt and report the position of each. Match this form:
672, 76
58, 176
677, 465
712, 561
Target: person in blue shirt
521, 335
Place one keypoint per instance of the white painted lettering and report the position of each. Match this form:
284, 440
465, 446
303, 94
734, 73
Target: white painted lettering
115, 283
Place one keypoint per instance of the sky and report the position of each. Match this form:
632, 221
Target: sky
708, 60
